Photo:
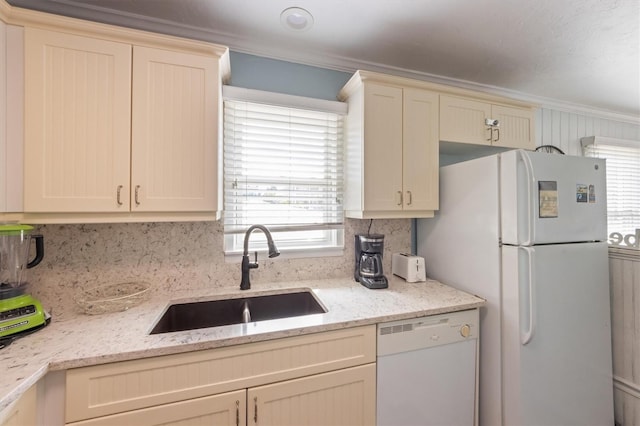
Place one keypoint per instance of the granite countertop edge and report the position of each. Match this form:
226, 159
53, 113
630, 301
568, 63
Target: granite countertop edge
125, 335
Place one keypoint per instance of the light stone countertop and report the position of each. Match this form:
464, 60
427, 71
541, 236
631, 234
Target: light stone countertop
89, 340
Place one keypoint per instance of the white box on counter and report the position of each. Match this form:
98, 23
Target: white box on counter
409, 267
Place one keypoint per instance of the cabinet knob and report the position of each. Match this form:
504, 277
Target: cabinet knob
465, 330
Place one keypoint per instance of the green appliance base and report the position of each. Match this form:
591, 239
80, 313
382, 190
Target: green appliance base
19, 314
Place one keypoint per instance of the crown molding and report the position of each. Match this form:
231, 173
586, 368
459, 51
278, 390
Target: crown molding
5, 11
350, 65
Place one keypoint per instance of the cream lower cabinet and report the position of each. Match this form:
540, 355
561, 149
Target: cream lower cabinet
392, 150
477, 122
117, 127
318, 379
340, 398
228, 409
344, 397
23, 412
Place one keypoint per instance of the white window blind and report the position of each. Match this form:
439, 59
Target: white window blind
623, 180
283, 169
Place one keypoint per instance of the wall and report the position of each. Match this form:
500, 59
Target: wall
564, 129
625, 299
175, 256
254, 72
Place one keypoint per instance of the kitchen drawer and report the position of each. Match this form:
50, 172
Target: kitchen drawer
211, 410
130, 385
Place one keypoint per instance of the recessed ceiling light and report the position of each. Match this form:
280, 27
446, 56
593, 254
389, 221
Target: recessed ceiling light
296, 19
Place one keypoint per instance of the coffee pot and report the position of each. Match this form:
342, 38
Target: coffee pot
368, 261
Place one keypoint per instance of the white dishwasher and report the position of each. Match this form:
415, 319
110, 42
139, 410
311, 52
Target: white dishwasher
427, 371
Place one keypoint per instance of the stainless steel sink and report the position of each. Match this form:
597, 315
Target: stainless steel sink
215, 313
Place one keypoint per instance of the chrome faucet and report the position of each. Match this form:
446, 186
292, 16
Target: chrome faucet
245, 284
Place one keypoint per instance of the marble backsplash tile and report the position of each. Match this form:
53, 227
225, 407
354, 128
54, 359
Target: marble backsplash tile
176, 256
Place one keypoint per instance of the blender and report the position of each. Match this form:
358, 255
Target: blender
20, 313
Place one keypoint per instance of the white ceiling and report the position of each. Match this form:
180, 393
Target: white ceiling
585, 53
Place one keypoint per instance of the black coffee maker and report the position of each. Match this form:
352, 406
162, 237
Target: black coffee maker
368, 250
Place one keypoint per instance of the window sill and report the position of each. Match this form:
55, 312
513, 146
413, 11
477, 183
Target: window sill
236, 257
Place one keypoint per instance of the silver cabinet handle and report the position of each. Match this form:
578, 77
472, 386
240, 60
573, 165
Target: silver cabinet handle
255, 409
399, 198
410, 198
237, 413
492, 124
118, 191
136, 195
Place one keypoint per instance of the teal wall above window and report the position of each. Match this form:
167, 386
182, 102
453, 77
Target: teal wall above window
271, 75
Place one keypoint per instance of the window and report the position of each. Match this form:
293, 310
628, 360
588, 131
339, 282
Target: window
623, 186
282, 169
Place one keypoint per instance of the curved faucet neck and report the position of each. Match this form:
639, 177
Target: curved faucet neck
248, 233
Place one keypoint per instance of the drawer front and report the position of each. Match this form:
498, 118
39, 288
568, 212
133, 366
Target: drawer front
224, 409
130, 385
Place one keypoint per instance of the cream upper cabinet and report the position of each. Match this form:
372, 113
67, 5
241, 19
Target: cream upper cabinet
516, 127
12, 120
420, 150
478, 122
391, 150
382, 149
174, 131
77, 123
113, 127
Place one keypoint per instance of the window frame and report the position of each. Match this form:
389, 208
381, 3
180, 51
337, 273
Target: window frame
618, 239
332, 243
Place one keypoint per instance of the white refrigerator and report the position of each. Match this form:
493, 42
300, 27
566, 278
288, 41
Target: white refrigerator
527, 232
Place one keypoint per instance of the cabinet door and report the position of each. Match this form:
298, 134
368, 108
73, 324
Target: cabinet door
3, 118
174, 131
343, 397
382, 148
224, 409
420, 150
516, 127
77, 123
463, 120
23, 412
13, 145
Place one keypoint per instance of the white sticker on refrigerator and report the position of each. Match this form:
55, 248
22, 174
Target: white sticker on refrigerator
548, 198
581, 193
592, 193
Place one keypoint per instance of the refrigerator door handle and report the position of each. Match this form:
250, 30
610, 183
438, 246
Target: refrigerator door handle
528, 167
527, 334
